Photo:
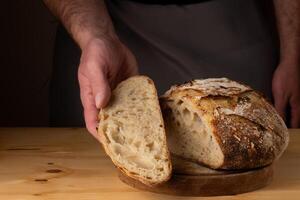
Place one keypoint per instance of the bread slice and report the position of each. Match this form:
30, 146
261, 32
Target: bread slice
222, 124
131, 129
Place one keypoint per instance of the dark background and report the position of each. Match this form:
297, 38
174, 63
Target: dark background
27, 42
27, 39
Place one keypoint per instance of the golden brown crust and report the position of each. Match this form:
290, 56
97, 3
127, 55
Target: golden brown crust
248, 129
242, 142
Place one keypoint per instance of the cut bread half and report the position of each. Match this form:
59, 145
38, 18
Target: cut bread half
132, 132
223, 124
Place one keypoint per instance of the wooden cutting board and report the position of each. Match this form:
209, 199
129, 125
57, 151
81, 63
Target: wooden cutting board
191, 179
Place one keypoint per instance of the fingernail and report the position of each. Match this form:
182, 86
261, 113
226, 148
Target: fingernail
97, 100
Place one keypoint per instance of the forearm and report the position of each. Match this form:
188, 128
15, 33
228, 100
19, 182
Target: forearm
84, 19
288, 24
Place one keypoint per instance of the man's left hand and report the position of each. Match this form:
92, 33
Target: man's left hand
286, 92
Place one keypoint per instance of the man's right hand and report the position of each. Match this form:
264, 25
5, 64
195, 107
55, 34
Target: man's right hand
104, 63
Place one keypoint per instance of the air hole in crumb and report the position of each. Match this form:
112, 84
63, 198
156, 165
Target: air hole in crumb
53, 170
197, 119
117, 138
179, 102
41, 180
157, 157
186, 112
150, 146
169, 100
131, 92
105, 116
160, 169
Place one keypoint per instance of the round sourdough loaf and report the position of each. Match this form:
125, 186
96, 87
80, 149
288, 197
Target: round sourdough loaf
222, 124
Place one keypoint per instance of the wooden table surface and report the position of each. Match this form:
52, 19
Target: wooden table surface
67, 163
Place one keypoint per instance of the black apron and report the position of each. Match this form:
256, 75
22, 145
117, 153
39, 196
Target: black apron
175, 43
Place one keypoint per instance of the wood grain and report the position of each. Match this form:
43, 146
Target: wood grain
67, 163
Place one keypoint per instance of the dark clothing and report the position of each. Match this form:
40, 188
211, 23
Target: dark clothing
168, 2
173, 44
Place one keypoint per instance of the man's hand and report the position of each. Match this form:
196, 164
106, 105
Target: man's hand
286, 92
105, 61
286, 79
103, 65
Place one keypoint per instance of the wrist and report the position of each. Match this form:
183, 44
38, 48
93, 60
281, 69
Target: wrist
289, 61
289, 53
85, 37
98, 26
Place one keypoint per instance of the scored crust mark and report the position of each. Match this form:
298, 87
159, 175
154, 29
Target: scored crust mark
132, 132
212, 86
255, 108
246, 144
246, 130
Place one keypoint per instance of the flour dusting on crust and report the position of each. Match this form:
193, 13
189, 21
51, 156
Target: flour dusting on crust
212, 86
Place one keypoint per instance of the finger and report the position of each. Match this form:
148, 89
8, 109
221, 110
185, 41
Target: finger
101, 91
128, 68
295, 112
90, 110
280, 102
90, 116
99, 83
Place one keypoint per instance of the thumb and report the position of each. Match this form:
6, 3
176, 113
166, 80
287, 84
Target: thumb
100, 87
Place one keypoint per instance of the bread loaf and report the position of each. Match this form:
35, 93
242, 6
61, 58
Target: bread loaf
132, 132
222, 124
